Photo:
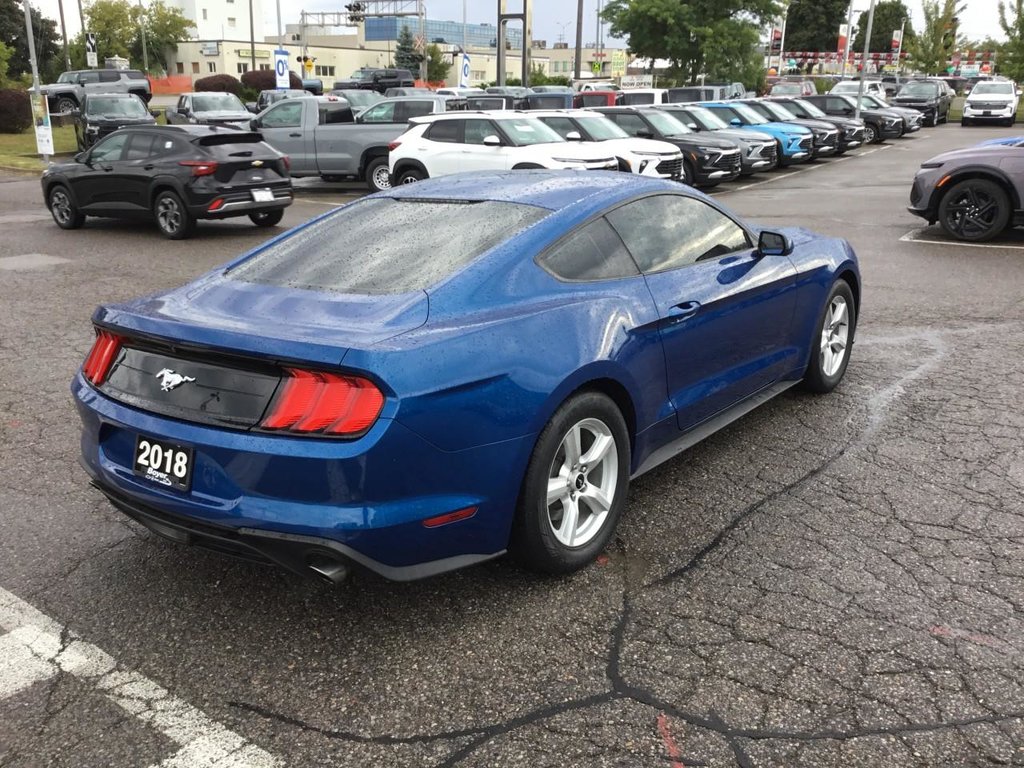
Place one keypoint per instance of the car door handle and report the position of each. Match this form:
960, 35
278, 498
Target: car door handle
682, 311
295, 135
107, 167
149, 167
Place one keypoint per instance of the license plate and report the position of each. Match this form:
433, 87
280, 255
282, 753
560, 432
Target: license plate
987, 113
263, 195
163, 463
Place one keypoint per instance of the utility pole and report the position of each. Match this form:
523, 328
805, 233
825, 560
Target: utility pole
578, 66
864, 61
142, 25
252, 38
35, 68
64, 33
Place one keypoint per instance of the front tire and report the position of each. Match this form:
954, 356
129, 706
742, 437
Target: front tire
870, 133
378, 174
172, 217
63, 209
66, 104
974, 210
267, 218
575, 486
837, 325
688, 173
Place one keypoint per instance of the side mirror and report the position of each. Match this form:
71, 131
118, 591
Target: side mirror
773, 244
254, 124
573, 136
736, 121
693, 127
154, 113
492, 141
80, 157
251, 106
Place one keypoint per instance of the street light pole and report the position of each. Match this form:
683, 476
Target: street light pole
578, 66
864, 60
849, 39
252, 38
142, 25
35, 65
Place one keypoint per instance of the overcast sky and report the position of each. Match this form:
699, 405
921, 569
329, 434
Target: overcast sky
551, 18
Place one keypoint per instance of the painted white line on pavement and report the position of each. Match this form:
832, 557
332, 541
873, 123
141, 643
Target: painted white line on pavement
36, 648
913, 237
332, 203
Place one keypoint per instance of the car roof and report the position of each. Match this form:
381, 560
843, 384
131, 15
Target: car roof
111, 96
189, 130
542, 188
462, 114
581, 113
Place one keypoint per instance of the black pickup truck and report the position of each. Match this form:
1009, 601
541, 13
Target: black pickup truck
371, 79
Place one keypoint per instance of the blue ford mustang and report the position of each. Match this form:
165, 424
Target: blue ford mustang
433, 375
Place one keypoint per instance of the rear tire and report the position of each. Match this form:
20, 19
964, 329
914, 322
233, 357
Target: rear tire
63, 209
66, 104
974, 210
267, 218
410, 176
172, 217
575, 485
831, 347
378, 174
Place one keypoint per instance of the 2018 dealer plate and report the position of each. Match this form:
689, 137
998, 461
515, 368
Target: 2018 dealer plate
163, 463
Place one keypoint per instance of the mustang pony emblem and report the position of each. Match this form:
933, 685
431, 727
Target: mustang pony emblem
169, 379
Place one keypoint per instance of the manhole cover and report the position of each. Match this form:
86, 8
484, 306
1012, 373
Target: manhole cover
30, 261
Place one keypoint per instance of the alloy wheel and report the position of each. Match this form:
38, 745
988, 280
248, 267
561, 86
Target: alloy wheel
582, 482
973, 212
168, 214
835, 335
60, 205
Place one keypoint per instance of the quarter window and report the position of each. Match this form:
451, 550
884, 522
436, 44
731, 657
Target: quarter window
445, 130
671, 231
140, 146
594, 252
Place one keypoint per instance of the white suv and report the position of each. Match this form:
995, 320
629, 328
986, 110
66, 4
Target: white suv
454, 142
645, 157
991, 100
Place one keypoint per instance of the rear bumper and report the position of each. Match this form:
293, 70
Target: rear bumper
239, 203
277, 498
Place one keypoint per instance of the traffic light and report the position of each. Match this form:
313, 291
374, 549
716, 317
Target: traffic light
355, 12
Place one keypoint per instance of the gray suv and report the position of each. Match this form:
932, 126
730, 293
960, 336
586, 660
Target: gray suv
70, 90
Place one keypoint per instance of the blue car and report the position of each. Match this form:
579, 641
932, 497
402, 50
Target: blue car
795, 142
438, 373
1006, 141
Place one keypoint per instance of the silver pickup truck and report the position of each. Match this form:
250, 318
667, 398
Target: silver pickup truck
69, 91
322, 137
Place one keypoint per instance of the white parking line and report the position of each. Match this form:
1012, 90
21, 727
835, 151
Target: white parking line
913, 237
332, 203
37, 648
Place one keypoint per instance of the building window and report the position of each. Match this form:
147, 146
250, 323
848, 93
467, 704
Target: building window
242, 68
195, 67
204, 14
212, 66
323, 71
180, 67
265, 66
477, 75
231, 21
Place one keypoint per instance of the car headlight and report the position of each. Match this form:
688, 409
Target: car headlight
709, 150
92, 129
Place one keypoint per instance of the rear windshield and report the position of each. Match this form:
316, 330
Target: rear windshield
383, 245
230, 136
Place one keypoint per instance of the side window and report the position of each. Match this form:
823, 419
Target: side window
333, 114
379, 113
414, 109
631, 124
594, 252
139, 146
163, 146
288, 114
671, 231
109, 150
182, 103
87, 78
561, 125
109, 75
478, 130
837, 105
445, 130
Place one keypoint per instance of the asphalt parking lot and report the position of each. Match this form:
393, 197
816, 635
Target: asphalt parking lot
831, 581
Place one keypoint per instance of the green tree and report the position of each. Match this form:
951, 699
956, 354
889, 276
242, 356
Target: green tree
438, 65
890, 15
116, 24
934, 46
733, 54
406, 56
6, 52
685, 32
1011, 53
813, 25
49, 53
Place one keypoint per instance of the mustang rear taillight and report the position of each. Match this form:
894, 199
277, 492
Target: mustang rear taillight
201, 167
316, 402
101, 356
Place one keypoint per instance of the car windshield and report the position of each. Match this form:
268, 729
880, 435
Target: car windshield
778, 111
601, 128
216, 102
847, 87
68, 77
919, 89
361, 74
358, 98
525, 131
130, 107
809, 109
395, 237
786, 89
665, 123
705, 119
1003, 89
748, 114
870, 102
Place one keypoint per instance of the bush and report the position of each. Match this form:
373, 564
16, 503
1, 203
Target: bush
266, 80
15, 111
219, 83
